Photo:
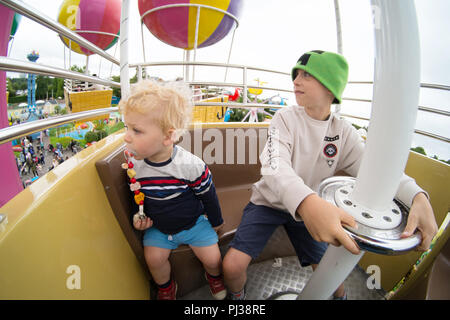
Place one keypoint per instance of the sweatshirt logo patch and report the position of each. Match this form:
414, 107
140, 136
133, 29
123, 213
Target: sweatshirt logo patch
330, 150
330, 139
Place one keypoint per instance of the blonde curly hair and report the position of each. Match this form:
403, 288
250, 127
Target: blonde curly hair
171, 102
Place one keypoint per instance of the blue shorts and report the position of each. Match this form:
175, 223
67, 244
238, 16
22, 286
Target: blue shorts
201, 234
259, 222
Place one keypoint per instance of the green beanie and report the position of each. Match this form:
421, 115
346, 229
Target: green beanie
329, 68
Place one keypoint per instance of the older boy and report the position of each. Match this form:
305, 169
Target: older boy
180, 198
306, 145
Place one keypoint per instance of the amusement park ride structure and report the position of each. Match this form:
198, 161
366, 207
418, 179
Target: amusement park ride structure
373, 190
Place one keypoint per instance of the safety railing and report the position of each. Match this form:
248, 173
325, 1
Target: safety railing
8, 64
25, 129
436, 111
14, 65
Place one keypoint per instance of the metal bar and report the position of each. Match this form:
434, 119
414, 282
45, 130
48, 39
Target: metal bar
239, 105
338, 26
14, 65
435, 86
421, 108
124, 67
424, 133
244, 80
37, 16
187, 69
240, 85
196, 39
339, 41
70, 54
357, 99
97, 32
208, 64
86, 71
422, 85
432, 135
142, 40
229, 55
139, 73
354, 117
433, 110
360, 82
24, 129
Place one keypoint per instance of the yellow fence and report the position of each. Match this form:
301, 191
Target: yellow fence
89, 100
210, 113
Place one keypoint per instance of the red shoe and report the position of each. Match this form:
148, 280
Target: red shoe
169, 293
217, 287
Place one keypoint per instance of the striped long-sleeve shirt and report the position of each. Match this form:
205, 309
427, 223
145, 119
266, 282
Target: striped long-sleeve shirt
178, 191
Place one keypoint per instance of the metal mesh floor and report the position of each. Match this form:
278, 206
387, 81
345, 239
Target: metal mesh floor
270, 277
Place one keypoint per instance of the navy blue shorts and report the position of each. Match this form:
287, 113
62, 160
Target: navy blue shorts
259, 222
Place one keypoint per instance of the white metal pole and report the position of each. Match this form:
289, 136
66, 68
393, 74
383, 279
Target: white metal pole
142, 41
244, 79
64, 48
86, 72
99, 68
115, 50
339, 40
196, 41
124, 63
395, 103
139, 73
395, 100
188, 59
229, 56
70, 54
337, 12
336, 265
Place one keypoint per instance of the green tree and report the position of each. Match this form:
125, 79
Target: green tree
78, 69
420, 150
19, 83
41, 87
12, 92
58, 87
116, 91
90, 137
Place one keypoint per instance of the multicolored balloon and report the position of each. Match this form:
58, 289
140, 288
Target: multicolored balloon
15, 24
176, 26
95, 20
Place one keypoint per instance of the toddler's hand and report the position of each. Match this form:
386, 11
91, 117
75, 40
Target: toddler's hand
141, 224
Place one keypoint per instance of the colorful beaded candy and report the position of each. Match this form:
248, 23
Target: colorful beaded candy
135, 186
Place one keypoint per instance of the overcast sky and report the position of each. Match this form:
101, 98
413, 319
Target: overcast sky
273, 34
